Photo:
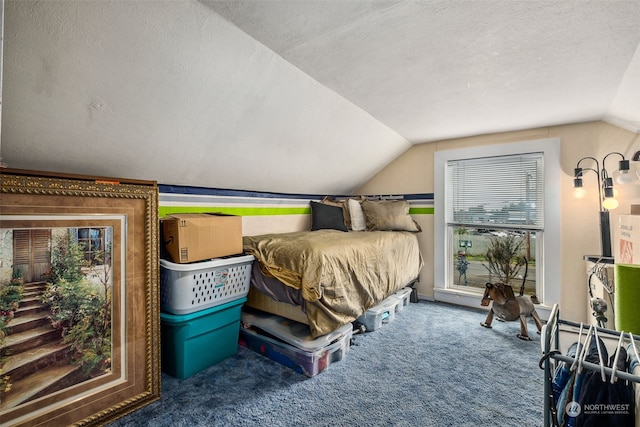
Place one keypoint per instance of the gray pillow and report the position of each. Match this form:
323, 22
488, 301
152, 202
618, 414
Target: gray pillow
326, 217
342, 204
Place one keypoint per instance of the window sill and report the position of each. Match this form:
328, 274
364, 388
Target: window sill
458, 296
472, 299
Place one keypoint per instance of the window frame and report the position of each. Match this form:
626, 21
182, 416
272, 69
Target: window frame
549, 251
88, 250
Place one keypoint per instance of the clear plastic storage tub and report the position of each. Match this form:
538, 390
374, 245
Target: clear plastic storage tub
290, 344
293, 333
404, 296
186, 288
380, 314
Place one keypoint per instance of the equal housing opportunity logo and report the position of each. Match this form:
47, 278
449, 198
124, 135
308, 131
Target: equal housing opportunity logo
573, 409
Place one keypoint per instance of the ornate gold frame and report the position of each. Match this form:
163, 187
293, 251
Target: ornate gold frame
44, 196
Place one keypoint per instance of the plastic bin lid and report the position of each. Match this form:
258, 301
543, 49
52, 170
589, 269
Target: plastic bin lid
402, 292
388, 303
294, 333
201, 265
180, 318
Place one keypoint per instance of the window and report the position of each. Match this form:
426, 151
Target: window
495, 206
503, 197
92, 242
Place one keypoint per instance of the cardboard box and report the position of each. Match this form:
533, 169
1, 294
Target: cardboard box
627, 241
201, 236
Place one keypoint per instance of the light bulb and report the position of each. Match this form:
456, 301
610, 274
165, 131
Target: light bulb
623, 177
610, 203
579, 193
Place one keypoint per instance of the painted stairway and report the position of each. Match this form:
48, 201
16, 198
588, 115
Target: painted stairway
34, 355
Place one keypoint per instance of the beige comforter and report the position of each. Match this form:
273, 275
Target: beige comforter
340, 275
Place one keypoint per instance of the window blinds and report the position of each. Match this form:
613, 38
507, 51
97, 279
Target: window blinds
496, 192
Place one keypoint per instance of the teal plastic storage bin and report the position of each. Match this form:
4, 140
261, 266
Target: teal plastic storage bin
193, 342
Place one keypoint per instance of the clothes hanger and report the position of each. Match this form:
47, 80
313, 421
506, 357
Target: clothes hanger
614, 368
633, 345
602, 373
578, 349
583, 352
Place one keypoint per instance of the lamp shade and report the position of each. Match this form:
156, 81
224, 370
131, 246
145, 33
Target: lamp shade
623, 177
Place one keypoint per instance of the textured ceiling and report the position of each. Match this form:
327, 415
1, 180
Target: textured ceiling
298, 96
433, 70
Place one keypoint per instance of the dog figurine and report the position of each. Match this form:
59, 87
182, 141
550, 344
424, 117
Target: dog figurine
506, 306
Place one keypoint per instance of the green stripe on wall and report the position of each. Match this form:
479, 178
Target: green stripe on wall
248, 211
421, 211
257, 211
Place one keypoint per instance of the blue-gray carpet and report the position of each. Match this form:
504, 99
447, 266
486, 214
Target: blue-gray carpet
433, 366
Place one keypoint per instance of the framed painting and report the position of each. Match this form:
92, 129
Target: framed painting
79, 298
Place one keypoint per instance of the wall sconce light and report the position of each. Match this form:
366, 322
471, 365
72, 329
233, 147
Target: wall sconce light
606, 192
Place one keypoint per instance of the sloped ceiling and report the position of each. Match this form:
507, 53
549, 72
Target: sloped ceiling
434, 70
299, 96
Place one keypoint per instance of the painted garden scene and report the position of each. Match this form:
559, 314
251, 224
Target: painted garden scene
55, 310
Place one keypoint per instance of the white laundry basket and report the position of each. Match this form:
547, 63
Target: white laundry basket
186, 288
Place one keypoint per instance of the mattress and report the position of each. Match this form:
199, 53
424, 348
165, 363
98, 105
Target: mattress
332, 276
258, 300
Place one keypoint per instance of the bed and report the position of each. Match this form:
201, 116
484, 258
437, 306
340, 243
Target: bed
330, 276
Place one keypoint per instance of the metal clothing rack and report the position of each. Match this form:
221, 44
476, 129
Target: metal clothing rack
552, 355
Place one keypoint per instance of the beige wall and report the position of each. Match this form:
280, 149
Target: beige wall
412, 172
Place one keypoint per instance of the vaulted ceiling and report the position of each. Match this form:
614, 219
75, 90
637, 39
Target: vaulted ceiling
299, 96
